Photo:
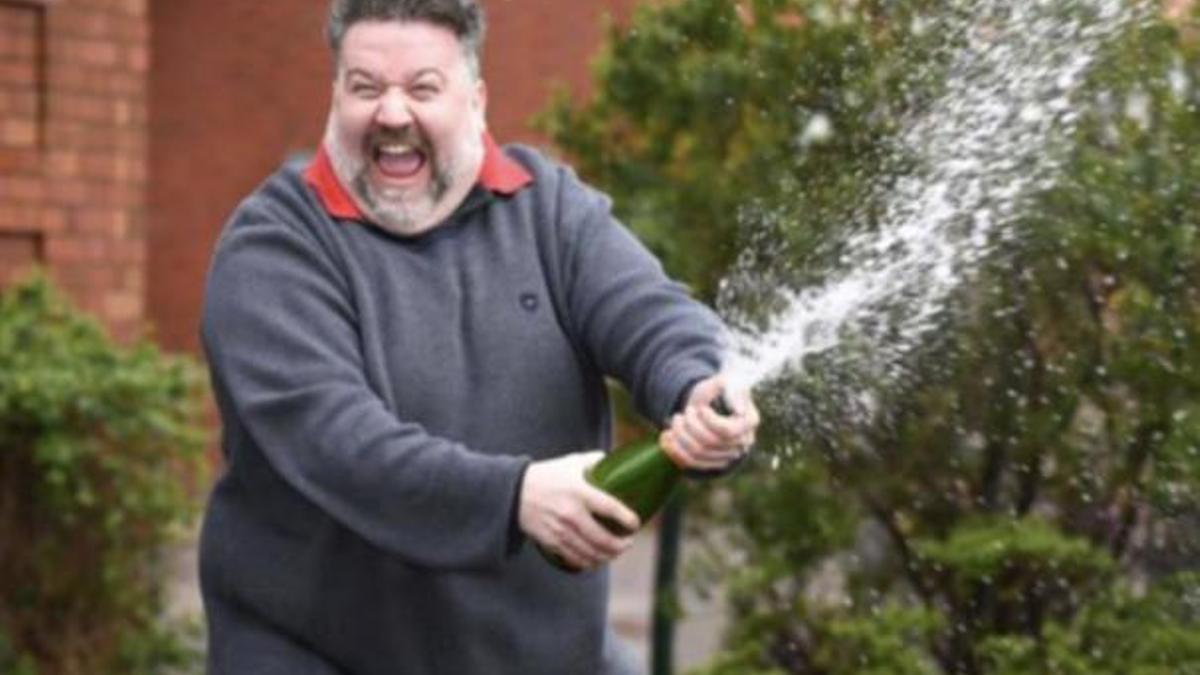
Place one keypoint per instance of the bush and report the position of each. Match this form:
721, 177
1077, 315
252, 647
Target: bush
1029, 501
101, 454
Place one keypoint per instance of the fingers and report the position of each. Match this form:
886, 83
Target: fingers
701, 438
559, 509
706, 436
576, 554
585, 543
706, 391
599, 542
590, 538
605, 506
688, 456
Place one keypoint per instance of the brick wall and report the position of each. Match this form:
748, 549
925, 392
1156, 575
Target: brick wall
73, 150
21, 80
236, 86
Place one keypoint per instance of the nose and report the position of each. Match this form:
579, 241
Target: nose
394, 110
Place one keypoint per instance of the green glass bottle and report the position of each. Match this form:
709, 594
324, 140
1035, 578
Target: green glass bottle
641, 475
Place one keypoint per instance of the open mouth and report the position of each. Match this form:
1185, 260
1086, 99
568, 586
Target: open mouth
399, 160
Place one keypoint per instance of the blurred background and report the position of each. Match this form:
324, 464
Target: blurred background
1023, 498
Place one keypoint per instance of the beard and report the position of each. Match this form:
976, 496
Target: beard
405, 211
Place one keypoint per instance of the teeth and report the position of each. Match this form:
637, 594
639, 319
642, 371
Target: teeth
396, 149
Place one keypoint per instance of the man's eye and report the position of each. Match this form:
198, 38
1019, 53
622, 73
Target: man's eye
425, 90
363, 89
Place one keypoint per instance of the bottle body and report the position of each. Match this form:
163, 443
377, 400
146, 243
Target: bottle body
639, 474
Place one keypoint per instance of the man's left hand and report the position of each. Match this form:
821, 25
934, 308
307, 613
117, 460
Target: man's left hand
700, 438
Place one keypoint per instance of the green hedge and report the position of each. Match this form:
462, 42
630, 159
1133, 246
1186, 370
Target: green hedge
102, 455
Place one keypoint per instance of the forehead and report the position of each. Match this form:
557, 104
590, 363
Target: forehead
399, 48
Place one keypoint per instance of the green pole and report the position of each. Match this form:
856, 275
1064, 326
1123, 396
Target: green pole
670, 530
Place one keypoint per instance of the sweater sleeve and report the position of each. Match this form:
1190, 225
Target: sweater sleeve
639, 325
279, 329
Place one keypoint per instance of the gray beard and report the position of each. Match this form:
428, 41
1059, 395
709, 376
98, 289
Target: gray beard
395, 214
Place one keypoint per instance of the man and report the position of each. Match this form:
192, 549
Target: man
408, 340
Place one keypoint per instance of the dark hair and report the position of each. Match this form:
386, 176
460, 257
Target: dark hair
463, 17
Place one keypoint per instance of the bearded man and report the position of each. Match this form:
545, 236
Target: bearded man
408, 340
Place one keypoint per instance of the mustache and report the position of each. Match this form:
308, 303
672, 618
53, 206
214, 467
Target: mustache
407, 135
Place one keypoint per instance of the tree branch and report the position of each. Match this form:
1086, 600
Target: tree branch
1141, 451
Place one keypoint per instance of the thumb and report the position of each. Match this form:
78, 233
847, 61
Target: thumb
706, 391
590, 458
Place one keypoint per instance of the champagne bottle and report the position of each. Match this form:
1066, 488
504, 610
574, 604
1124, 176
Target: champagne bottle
641, 475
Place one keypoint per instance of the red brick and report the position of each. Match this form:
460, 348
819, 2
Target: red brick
98, 221
18, 103
18, 133
133, 7
70, 193
18, 20
81, 23
75, 21
89, 52
122, 306
75, 249
54, 220
93, 23
19, 253
137, 58
132, 85
18, 217
134, 277
18, 45
84, 79
21, 189
18, 72
128, 253
124, 113
91, 139
100, 166
84, 108
62, 163
19, 161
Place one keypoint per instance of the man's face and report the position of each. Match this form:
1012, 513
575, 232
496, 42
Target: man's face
405, 128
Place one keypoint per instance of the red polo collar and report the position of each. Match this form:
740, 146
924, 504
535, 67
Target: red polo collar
498, 173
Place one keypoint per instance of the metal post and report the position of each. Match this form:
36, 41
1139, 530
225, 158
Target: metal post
670, 533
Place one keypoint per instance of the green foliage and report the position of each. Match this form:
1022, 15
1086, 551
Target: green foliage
1118, 632
13, 663
101, 454
696, 118
1031, 502
1006, 553
888, 642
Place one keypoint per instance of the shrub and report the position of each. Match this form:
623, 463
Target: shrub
101, 454
1028, 502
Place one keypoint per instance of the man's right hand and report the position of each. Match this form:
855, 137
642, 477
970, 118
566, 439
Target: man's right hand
559, 508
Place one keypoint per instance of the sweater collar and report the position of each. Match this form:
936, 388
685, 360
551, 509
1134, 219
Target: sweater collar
498, 173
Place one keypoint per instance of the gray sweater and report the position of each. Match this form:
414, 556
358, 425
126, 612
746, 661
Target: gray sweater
381, 397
